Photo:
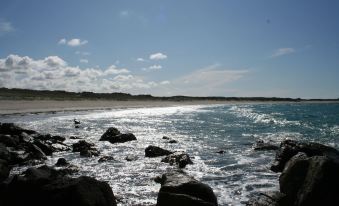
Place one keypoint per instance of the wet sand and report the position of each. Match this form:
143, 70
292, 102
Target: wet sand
36, 106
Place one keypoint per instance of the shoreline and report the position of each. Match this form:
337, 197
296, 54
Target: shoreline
12, 107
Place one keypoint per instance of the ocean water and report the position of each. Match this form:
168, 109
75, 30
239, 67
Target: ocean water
201, 131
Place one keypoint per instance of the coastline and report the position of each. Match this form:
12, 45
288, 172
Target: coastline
8, 107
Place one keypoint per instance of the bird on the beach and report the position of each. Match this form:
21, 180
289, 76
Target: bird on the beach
76, 121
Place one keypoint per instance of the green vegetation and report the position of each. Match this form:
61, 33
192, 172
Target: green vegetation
27, 94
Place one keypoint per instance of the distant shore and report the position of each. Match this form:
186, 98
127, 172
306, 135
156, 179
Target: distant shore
41, 106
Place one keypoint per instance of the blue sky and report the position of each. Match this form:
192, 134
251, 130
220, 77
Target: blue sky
283, 48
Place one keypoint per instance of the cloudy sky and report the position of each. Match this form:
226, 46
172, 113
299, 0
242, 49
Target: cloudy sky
283, 48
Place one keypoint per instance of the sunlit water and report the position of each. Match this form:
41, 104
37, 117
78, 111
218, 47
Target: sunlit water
201, 131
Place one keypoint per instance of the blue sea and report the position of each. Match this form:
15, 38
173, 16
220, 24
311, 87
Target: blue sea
201, 131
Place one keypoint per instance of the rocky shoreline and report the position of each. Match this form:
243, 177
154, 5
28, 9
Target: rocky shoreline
308, 173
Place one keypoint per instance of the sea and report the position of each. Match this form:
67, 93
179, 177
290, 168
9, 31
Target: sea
201, 130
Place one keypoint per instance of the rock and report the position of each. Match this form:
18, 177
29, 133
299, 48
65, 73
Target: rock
74, 137
81, 145
35, 152
182, 190
180, 158
106, 158
48, 137
110, 132
220, 152
4, 153
12, 129
46, 148
267, 199
130, 158
9, 141
59, 147
4, 170
46, 186
311, 181
86, 149
154, 151
172, 141
261, 145
121, 138
289, 148
165, 137
61, 162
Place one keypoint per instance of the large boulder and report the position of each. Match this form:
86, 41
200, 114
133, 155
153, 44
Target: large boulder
46, 186
311, 181
180, 189
179, 158
113, 135
274, 198
260, 145
12, 129
4, 170
86, 149
154, 151
289, 148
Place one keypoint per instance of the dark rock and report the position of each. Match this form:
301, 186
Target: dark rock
182, 190
61, 162
8, 140
311, 181
46, 186
74, 137
267, 199
86, 149
165, 137
154, 151
220, 152
173, 141
110, 132
4, 153
4, 170
48, 137
46, 148
12, 129
106, 158
81, 145
130, 158
289, 148
76, 126
35, 152
59, 147
261, 145
179, 158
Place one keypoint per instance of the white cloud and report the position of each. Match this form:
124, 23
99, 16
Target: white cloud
152, 68
140, 59
62, 41
158, 56
5, 27
85, 61
72, 42
282, 51
114, 70
165, 82
53, 73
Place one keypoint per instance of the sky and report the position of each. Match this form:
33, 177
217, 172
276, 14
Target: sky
269, 48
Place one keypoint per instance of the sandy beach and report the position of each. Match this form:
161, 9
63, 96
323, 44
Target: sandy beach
34, 106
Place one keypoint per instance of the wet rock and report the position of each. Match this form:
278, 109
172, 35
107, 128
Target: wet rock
311, 181
261, 145
59, 147
180, 158
182, 190
35, 152
220, 152
74, 137
61, 162
46, 186
86, 149
8, 140
4, 170
110, 132
172, 141
289, 148
267, 199
46, 148
48, 137
4, 153
12, 129
106, 158
130, 158
165, 137
154, 151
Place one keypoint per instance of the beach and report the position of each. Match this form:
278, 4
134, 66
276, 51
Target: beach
37, 106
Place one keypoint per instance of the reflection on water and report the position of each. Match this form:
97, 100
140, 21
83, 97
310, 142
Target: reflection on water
201, 131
